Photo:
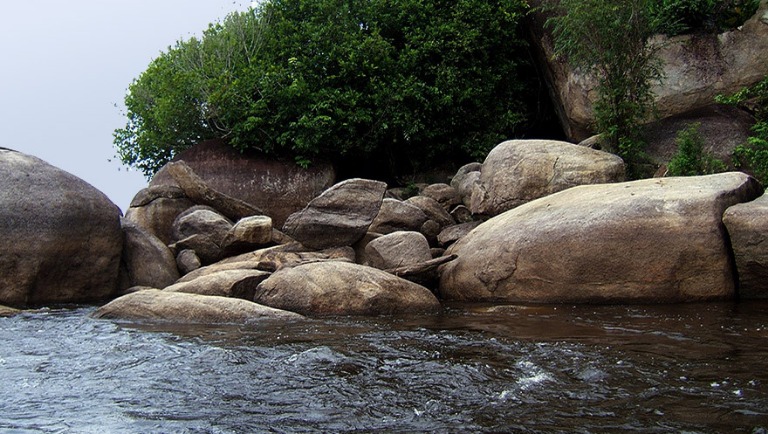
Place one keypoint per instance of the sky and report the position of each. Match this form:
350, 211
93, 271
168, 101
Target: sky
65, 69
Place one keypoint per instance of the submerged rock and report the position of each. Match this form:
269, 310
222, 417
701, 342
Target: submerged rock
8, 311
60, 238
340, 288
179, 307
654, 240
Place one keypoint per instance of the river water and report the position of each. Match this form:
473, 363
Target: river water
472, 368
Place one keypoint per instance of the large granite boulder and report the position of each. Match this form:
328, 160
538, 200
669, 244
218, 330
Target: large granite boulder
278, 188
340, 288
272, 259
60, 238
696, 68
747, 225
146, 260
518, 171
155, 209
654, 240
397, 249
179, 307
340, 216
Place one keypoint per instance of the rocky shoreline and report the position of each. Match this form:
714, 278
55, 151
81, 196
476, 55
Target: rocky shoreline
536, 222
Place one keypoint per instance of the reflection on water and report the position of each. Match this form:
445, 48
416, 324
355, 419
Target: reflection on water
692, 368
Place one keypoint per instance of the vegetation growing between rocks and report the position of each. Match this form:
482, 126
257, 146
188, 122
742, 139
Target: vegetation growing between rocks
612, 39
753, 155
677, 17
691, 159
399, 82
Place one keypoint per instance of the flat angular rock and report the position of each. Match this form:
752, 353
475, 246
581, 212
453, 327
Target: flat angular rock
396, 215
228, 283
60, 238
273, 259
518, 171
339, 216
340, 288
178, 307
747, 225
201, 193
454, 233
446, 195
432, 209
654, 240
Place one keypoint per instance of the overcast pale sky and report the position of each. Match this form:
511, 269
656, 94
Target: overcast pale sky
65, 64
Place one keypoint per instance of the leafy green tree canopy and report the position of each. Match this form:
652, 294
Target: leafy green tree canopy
399, 81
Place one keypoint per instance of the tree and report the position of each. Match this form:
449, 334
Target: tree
402, 82
612, 39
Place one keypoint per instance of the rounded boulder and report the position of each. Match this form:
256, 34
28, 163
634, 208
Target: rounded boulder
341, 288
60, 240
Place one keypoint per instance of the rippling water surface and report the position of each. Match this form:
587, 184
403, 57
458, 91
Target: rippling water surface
690, 368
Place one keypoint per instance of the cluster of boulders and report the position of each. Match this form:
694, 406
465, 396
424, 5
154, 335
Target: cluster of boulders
536, 222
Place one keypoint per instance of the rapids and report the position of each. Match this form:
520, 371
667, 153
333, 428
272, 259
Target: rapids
472, 368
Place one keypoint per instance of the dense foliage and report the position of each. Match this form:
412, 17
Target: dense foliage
383, 80
701, 16
691, 159
753, 155
611, 38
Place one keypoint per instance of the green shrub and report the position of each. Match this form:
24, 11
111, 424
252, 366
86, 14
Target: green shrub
398, 82
752, 157
690, 159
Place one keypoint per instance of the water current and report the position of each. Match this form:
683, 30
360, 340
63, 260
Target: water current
583, 369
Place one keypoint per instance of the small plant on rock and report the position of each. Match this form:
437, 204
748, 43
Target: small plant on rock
752, 157
691, 159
